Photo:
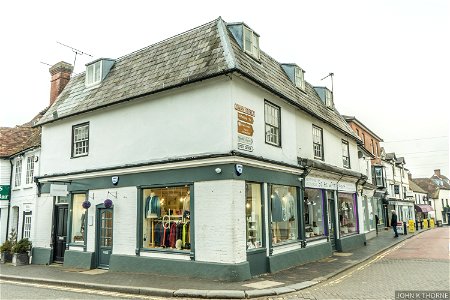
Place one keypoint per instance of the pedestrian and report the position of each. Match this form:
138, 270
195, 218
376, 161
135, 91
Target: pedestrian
394, 223
377, 220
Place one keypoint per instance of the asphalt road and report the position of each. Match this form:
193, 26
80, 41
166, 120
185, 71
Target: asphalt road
421, 263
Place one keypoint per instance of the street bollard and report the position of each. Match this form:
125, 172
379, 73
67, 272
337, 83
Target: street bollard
421, 224
405, 231
417, 225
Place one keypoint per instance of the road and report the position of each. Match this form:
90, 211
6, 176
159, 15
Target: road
419, 263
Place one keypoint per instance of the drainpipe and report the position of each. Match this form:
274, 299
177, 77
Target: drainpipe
9, 198
306, 171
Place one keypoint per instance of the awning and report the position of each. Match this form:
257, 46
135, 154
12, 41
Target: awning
424, 208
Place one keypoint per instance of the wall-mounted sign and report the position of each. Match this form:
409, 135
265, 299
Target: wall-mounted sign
239, 169
245, 128
4, 192
58, 190
328, 184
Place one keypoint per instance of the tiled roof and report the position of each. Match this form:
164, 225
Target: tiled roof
203, 52
16, 139
415, 188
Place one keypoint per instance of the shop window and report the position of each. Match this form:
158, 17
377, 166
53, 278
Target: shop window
166, 214
347, 214
253, 214
313, 213
372, 212
78, 218
283, 201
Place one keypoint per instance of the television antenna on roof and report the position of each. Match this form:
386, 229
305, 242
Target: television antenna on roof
331, 76
76, 51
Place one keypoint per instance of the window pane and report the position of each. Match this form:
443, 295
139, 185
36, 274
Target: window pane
166, 214
78, 218
313, 213
284, 217
253, 209
347, 214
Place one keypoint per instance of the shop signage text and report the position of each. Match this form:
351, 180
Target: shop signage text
328, 184
58, 190
4, 192
245, 130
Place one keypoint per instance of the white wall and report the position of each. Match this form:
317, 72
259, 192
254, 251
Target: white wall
5, 173
220, 230
187, 121
124, 218
43, 221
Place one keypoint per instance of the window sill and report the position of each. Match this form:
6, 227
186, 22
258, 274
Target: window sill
27, 187
78, 156
166, 251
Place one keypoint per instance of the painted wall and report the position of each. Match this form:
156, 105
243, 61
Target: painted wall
220, 230
124, 218
43, 225
5, 173
188, 121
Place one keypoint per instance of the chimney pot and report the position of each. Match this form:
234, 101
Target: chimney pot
60, 77
437, 172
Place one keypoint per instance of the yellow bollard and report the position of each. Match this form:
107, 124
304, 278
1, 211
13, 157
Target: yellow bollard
425, 223
411, 226
431, 223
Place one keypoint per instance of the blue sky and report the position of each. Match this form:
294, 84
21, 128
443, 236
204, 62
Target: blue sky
390, 59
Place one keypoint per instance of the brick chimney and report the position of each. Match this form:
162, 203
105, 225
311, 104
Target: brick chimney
437, 172
60, 77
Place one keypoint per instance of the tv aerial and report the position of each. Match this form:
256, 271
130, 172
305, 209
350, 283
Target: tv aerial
331, 76
76, 51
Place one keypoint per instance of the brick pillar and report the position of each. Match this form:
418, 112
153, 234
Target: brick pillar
60, 77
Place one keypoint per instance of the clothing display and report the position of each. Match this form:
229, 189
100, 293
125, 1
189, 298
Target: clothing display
277, 208
166, 235
152, 207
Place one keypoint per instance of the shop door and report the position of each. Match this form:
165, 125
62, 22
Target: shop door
60, 234
104, 236
332, 220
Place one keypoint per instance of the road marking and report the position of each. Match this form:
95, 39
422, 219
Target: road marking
80, 290
362, 267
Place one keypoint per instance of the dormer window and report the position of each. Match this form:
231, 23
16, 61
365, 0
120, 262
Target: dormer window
328, 99
300, 78
97, 70
93, 73
251, 42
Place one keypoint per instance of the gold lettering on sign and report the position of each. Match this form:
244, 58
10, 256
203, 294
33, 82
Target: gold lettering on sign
244, 109
245, 128
245, 118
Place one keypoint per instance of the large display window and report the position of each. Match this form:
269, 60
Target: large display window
313, 213
166, 215
347, 214
78, 218
253, 215
284, 217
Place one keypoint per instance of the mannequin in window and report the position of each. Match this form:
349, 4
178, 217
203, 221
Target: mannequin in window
277, 215
152, 206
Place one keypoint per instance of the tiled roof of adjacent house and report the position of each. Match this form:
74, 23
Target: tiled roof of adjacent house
203, 52
415, 188
17, 139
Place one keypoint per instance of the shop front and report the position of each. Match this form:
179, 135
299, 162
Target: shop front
227, 221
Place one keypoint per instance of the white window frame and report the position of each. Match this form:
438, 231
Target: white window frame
328, 98
30, 170
299, 78
27, 219
253, 39
18, 173
317, 133
272, 119
93, 73
345, 154
80, 140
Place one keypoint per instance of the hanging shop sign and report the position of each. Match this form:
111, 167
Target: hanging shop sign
58, 190
4, 192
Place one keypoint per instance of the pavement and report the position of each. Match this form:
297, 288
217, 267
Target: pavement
286, 281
